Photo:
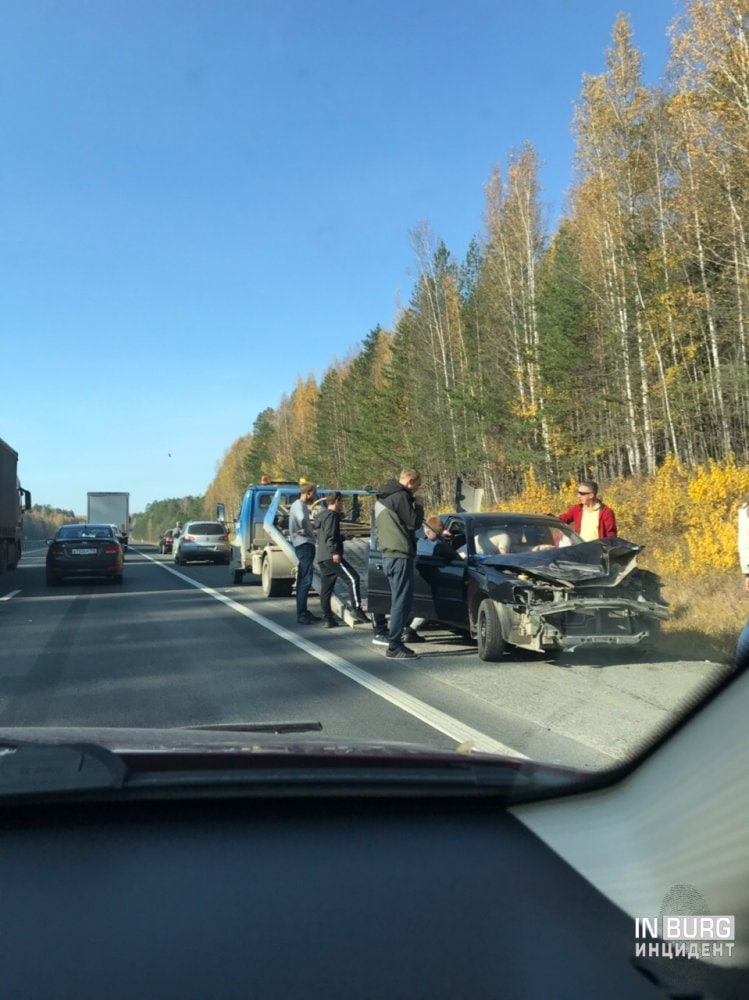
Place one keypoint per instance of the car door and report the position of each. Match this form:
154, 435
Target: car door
440, 587
378, 591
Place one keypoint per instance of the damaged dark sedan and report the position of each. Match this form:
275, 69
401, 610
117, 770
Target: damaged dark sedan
528, 581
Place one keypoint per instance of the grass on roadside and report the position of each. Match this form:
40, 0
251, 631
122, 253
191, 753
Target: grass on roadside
707, 613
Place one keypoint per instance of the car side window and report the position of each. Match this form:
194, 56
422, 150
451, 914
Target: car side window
457, 533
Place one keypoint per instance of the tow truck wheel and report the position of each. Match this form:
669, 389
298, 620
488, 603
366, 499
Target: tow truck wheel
491, 644
273, 587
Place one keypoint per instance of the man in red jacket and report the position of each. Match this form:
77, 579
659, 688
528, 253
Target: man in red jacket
590, 518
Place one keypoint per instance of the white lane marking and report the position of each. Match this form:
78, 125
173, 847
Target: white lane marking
441, 721
8, 596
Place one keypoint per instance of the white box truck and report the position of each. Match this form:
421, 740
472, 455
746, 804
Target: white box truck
111, 508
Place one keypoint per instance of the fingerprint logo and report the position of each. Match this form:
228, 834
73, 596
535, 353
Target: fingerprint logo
685, 900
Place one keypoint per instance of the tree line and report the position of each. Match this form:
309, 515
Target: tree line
596, 350
42, 521
162, 514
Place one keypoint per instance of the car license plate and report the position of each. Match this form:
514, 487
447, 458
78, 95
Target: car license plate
83, 552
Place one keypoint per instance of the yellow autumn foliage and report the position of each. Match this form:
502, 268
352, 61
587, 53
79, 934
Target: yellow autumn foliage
536, 498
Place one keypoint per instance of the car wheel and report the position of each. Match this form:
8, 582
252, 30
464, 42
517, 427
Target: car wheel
118, 578
491, 644
52, 581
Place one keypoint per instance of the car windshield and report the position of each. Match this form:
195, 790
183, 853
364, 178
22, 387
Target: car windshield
502, 537
466, 470
84, 531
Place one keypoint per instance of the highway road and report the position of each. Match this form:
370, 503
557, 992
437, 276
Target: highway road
182, 646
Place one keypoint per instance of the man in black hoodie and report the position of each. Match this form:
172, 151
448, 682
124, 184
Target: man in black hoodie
398, 514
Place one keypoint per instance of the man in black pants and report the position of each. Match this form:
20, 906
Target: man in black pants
302, 537
397, 516
332, 565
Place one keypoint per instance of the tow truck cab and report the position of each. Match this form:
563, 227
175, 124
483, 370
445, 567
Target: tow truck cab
261, 543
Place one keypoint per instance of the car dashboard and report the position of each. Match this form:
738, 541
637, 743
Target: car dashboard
381, 895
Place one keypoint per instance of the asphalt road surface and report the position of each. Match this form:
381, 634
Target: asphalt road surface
181, 646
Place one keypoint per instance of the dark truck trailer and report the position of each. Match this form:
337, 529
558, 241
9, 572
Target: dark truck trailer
13, 502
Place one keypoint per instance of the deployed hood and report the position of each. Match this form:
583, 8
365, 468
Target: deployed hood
574, 564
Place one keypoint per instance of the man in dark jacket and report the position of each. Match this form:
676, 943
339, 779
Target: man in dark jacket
397, 517
332, 565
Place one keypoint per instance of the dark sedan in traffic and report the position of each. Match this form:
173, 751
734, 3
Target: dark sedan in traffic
84, 550
528, 581
166, 541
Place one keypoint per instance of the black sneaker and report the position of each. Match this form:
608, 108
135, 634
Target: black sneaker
411, 635
306, 618
359, 617
401, 653
330, 622
381, 639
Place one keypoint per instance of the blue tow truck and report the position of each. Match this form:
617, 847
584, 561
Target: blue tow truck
261, 544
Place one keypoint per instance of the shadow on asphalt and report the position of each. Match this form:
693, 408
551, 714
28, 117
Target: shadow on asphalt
440, 645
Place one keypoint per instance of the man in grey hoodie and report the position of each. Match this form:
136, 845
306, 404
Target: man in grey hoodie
398, 515
302, 536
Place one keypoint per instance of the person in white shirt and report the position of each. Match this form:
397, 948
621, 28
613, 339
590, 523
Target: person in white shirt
742, 646
744, 541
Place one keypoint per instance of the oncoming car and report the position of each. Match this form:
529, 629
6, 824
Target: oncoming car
202, 540
529, 581
84, 550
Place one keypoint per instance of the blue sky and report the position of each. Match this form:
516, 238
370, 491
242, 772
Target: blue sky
202, 200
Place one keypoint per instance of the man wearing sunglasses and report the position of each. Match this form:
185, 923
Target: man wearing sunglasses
590, 517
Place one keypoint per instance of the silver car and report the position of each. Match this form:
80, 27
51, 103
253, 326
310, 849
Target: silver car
202, 540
